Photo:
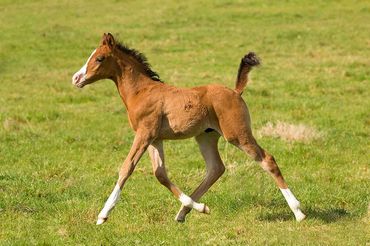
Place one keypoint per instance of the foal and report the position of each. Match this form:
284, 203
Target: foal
158, 111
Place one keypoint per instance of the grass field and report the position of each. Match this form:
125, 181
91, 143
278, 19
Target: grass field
60, 147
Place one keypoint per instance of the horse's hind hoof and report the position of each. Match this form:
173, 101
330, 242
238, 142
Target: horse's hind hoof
180, 217
206, 209
299, 216
180, 220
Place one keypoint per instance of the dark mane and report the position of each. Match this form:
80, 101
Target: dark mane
140, 57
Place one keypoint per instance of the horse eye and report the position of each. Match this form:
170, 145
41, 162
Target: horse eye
100, 58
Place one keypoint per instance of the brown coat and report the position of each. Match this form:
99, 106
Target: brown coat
158, 111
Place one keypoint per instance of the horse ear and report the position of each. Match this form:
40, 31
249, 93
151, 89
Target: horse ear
108, 39
102, 39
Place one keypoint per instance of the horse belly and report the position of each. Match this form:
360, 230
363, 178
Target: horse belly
184, 123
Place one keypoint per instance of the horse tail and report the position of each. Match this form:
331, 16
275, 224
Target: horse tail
248, 61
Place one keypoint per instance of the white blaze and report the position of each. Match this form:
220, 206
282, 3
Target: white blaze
82, 72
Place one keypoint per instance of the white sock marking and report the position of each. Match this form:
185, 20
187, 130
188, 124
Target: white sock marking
293, 204
110, 203
188, 202
82, 72
290, 198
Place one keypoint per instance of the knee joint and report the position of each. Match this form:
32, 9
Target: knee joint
161, 177
216, 172
220, 170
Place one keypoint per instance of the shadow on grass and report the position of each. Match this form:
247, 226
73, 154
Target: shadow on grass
278, 210
326, 215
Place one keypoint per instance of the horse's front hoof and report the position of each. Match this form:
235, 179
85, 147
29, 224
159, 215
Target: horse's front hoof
101, 221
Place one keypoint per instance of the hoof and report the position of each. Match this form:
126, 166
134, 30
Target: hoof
299, 216
180, 217
206, 209
101, 221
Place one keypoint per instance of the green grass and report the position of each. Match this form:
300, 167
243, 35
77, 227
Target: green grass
60, 148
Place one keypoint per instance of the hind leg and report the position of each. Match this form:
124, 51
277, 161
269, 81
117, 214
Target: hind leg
215, 168
235, 126
157, 156
268, 163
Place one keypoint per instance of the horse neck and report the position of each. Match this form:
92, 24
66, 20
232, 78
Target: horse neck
131, 80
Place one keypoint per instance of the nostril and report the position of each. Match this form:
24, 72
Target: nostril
75, 78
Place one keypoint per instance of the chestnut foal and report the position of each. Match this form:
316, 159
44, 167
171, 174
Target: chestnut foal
158, 111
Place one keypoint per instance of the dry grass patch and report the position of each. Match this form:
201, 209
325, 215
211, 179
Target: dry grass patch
14, 124
290, 132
